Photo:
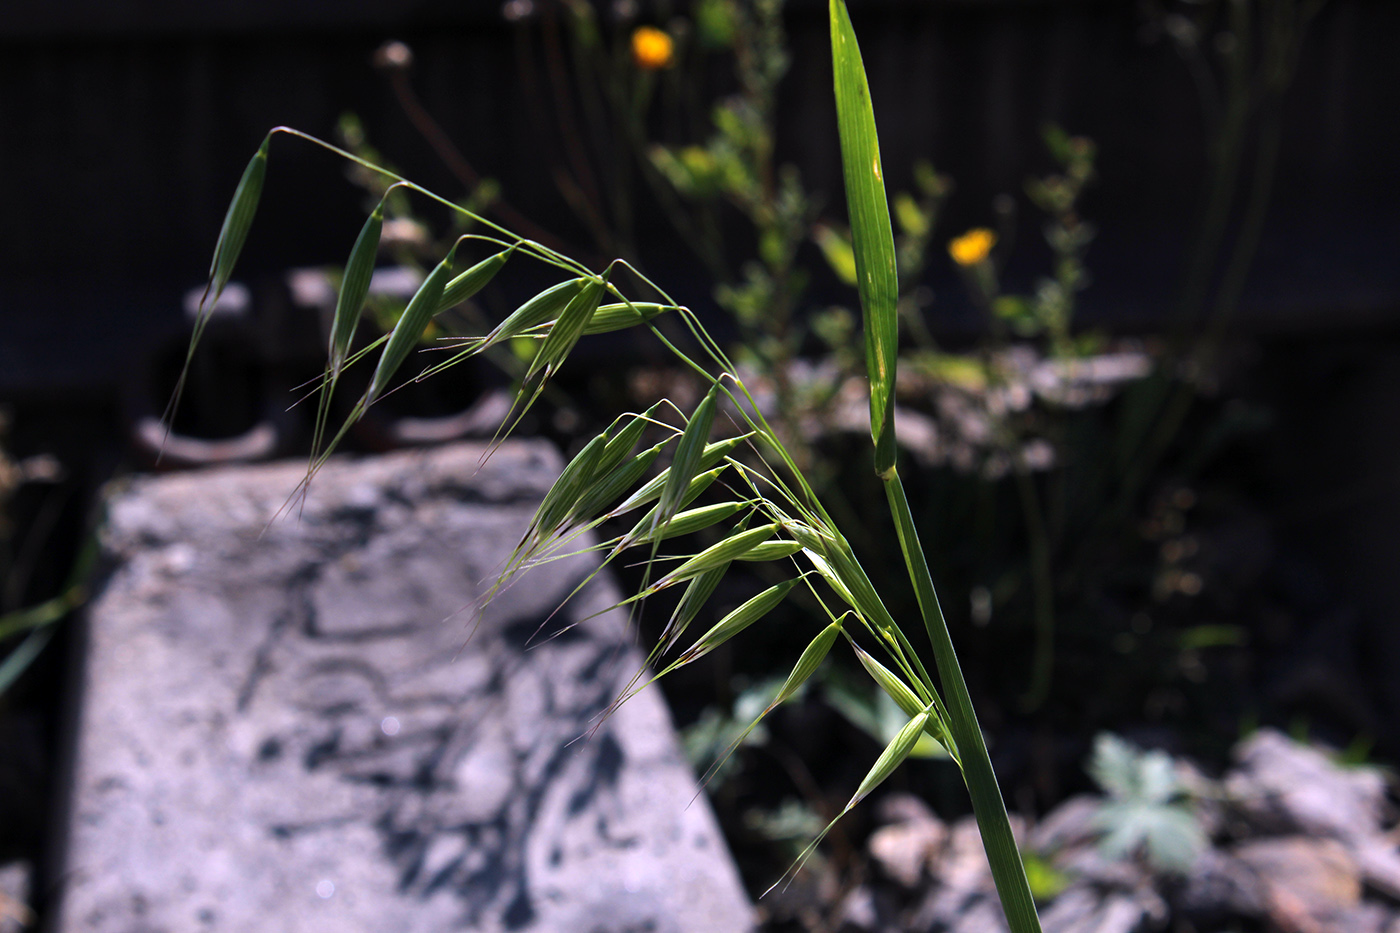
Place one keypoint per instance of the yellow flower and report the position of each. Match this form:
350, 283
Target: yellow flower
972, 247
652, 48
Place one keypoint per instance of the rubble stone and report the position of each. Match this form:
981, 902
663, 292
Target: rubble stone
1284, 786
15, 913
1309, 884
303, 726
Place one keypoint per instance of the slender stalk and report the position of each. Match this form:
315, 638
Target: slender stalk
987, 804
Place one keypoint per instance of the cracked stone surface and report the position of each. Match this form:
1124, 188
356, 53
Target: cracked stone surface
286, 727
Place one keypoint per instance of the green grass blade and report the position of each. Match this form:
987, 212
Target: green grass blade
573, 481
688, 456
542, 308
712, 454
730, 549
812, 657
613, 484
610, 318
684, 523
232, 235
567, 330
234, 232
987, 805
621, 444
736, 621
907, 700
354, 288
871, 234
772, 550
472, 281
422, 307
18, 661
410, 327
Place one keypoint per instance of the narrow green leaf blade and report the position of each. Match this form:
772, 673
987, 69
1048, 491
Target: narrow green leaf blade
354, 288
613, 484
812, 657
731, 548
684, 523
872, 236
738, 620
688, 456
234, 232
696, 594
568, 328
615, 317
542, 308
772, 550
712, 454
410, 327
892, 757
568, 488
472, 281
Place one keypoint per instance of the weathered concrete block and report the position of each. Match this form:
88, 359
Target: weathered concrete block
287, 727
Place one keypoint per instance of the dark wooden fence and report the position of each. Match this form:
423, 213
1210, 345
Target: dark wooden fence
123, 127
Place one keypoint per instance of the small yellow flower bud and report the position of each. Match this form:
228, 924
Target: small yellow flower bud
972, 247
652, 48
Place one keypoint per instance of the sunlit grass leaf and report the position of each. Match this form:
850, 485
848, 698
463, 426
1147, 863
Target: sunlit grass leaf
538, 310
731, 548
712, 454
697, 593
736, 621
232, 235
615, 317
354, 289
906, 699
237, 222
568, 328
872, 236
614, 483
621, 441
891, 758
426, 302
689, 453
771, 550
684, 523
812, 657
572, 481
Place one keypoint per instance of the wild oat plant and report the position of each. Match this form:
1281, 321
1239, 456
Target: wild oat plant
767, 511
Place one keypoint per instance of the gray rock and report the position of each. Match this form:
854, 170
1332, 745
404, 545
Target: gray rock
302, 726
1090, 864
1309, 884
1379, 860
1080, 909
1282, 787
858, 912
1075, 907
903, 850
1122, 913
1220, 885
963, 880
15, 914
984, 915
1069, 824
1367, 917
901, 807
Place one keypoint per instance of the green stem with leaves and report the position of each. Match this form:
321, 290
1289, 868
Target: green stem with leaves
877, 280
